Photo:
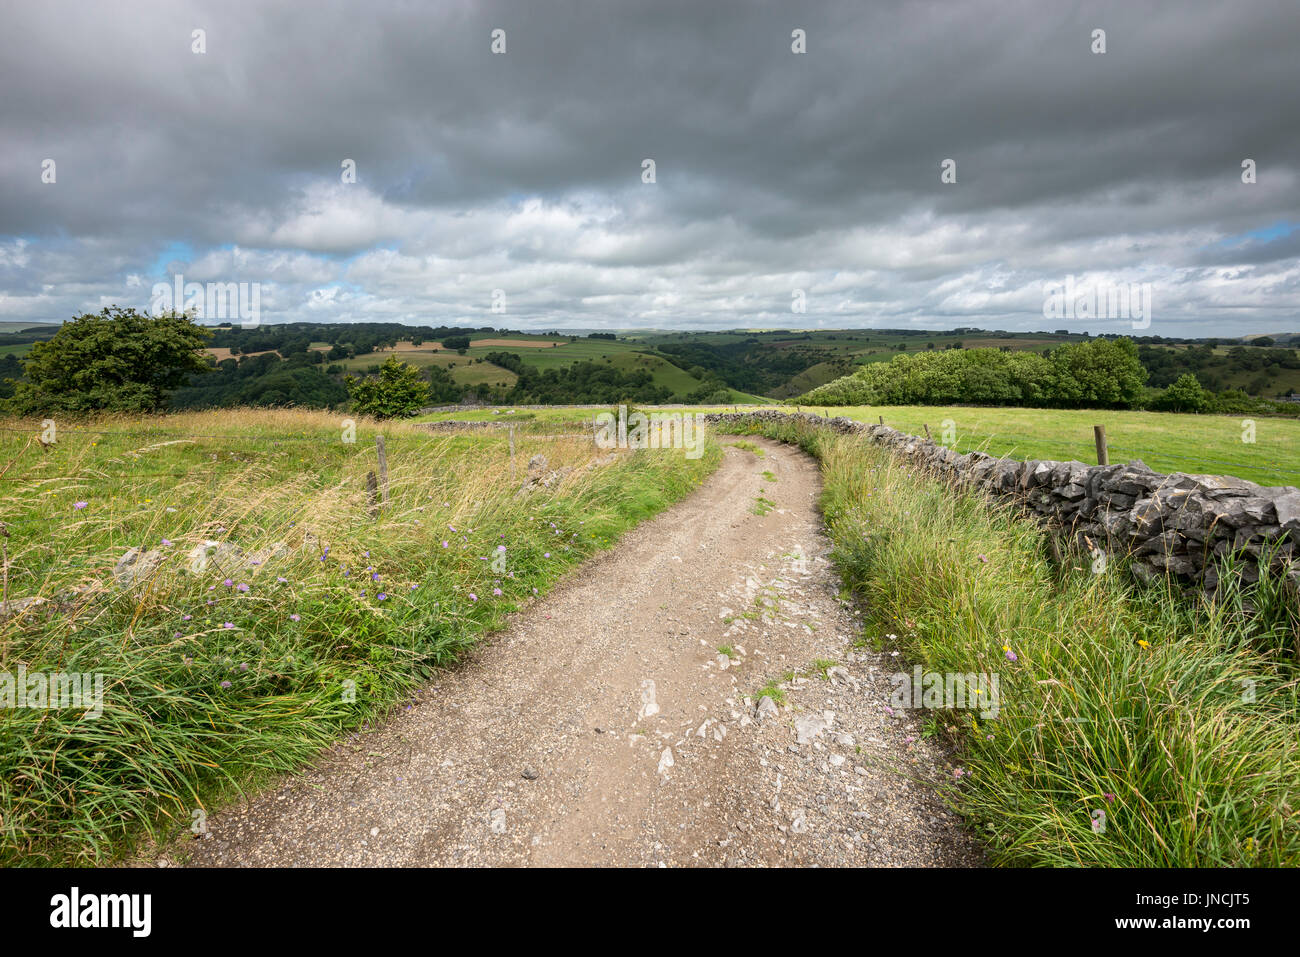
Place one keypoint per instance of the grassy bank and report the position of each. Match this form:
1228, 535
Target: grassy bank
1136, 728
222, 671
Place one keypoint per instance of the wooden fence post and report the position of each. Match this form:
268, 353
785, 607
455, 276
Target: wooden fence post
881, 418
927, 429
1099, 436
383, 468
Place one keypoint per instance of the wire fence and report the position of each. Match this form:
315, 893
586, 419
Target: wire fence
983, 442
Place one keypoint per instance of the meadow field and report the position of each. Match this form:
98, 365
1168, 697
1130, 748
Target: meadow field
268, 609
1166, 441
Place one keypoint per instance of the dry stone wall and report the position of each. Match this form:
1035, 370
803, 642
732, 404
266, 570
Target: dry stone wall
1178, 524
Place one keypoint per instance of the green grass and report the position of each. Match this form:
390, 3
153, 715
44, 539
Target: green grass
1166, 441
173, 737
1176, 718
773, 690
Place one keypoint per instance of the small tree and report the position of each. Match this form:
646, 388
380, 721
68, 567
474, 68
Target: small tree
1185, 395
397, 392
118, 360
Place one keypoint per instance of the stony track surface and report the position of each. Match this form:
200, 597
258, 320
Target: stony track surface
605, 727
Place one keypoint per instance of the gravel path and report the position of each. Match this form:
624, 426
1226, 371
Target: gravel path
604, 727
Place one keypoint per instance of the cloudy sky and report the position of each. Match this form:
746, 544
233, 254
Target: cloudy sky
774, 171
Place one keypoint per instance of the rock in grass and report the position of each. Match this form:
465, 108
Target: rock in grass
135, 565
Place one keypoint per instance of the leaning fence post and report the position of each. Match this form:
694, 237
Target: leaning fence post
372, 494
881, 418
927, 429
1099, 436
383, 468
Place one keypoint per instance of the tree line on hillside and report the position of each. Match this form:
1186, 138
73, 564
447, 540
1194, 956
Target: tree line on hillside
1099, 373
122, 360
582, 383
1257, 367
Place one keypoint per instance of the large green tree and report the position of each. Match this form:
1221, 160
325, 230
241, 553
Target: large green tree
118, 360
397, 392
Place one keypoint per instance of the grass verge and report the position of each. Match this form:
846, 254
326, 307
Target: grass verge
1137, 728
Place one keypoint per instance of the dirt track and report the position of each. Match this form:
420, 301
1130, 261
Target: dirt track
604, 726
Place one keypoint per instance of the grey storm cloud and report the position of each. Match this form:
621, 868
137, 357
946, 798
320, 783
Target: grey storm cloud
775, 171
